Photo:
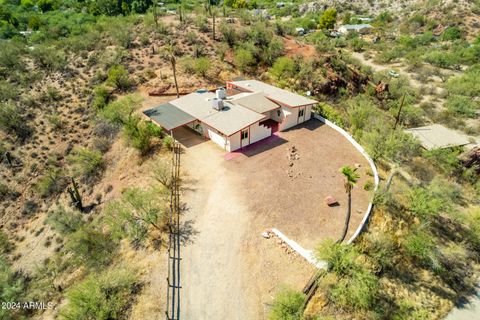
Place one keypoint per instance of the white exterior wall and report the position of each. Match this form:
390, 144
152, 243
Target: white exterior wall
258, 132
291, 118
233, 142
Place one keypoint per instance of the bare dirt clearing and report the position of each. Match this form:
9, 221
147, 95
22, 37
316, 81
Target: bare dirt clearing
228, 270
290, 194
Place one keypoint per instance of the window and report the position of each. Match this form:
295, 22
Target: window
244, 134
279, 113
300, 113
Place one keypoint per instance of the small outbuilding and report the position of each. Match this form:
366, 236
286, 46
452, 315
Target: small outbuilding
437, 136
360, 28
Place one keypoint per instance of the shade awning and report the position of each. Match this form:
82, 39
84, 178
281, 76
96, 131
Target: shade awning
168, 116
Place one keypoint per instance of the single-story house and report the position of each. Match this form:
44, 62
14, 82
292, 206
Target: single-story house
245, 112
360, 28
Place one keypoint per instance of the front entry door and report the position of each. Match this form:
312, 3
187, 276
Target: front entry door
301, 115
244, 138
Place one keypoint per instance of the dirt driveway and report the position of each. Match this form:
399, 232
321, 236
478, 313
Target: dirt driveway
228, 270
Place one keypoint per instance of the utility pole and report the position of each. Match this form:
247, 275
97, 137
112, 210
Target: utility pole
397, 118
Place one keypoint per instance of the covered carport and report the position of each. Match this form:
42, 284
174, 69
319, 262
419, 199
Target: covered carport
174, 121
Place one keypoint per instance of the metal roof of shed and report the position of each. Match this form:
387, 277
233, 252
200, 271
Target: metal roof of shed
169, 116
437, 136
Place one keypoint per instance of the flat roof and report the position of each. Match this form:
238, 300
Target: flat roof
276, 94
437, 136
356, 26
228, 121
255, 101
168, 116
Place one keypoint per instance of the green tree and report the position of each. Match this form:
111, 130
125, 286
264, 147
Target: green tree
328, 19
243, 59
283, 67
140, 134
351, 177
86, 163
135, 213
119, 78
91, 247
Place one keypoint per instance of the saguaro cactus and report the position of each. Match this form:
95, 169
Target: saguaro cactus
75, 195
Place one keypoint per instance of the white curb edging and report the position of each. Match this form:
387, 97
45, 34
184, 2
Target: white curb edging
307, 254
372, 166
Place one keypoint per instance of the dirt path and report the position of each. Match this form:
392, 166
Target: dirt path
212, 263
228, 272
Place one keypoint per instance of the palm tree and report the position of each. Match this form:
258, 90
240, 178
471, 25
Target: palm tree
351, 176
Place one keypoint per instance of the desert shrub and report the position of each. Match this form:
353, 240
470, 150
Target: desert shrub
101, 296
135, 213
202, 66
121, 33
49, 58
466, 84
120, 111
357, 44
5, 245
274, 50
168, 142
441, 59
420, 246
451, 33
357, 286
462, 105
424, 204
284, 67
10, 56
201, 23
56, 122
382, 142
13, 121
101, 96
445, 160
65, 221
118, 77
329, 112
105, 129
287, 305
382, 248
187, 64
86, 163
91, 247
243, 59
8, 91
12, 286
141, 134
51, 183
229, 34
